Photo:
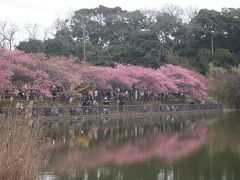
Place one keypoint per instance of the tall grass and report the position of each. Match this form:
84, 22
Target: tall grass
20, 152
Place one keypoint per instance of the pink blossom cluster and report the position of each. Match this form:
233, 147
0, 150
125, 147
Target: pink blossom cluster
5, 75
41, 73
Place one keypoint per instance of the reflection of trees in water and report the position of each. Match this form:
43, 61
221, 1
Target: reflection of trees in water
224, 135
136, 140
217, 159
168, 146
122, 128
220, 159
85, 137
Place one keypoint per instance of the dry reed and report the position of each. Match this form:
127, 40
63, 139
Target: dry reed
20, 152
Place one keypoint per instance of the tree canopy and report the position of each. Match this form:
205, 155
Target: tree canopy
149, 38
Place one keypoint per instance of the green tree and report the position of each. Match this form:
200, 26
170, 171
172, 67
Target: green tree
150, 38
62, 44
223, 58
203, 58
31, 46
226, 85
229, 90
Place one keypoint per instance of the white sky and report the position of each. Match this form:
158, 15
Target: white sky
44, 12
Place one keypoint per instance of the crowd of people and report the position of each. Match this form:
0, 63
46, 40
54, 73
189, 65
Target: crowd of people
90, 98
89, 94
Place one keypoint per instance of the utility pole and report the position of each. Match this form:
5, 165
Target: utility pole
84, 48
212, 40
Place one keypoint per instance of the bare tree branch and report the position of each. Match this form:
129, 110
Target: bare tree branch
7, 34
32, 30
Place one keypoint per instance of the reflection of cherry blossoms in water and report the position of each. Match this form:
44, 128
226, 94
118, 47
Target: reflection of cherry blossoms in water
165, 146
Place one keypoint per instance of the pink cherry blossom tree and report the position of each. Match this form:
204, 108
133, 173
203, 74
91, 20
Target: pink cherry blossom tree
187, 81
41, 73
5, 75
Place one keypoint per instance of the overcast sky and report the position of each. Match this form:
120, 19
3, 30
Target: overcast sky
44, 12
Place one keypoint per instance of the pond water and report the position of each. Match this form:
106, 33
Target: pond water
202, 146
